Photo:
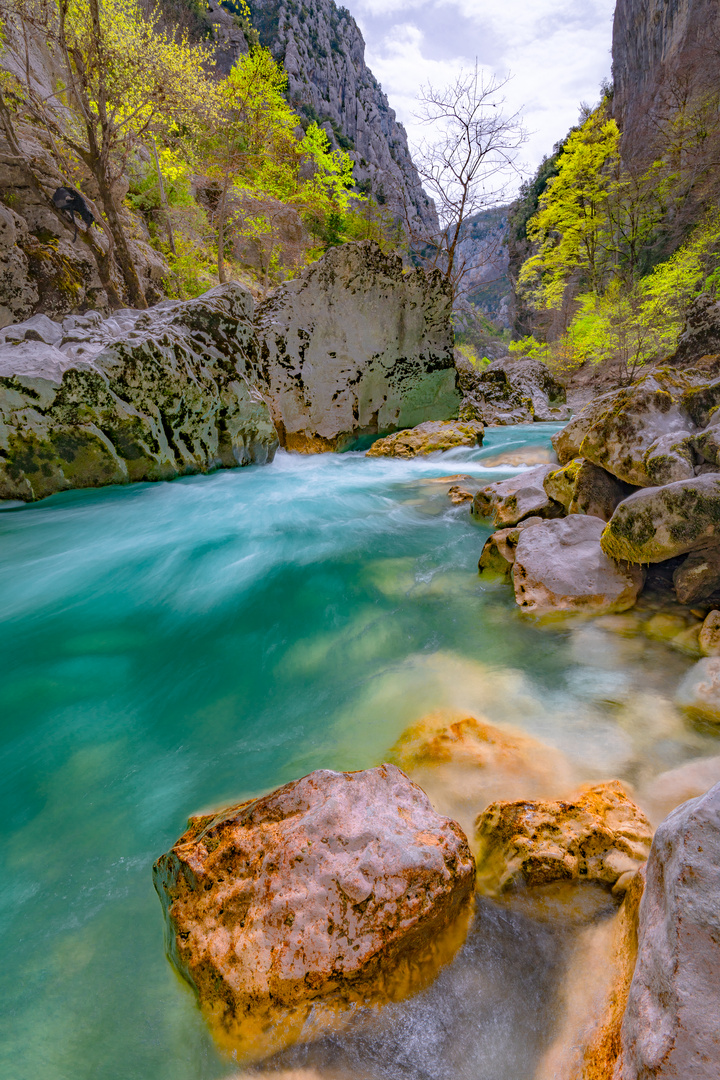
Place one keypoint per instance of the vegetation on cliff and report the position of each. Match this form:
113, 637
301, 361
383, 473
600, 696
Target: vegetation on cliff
598, 275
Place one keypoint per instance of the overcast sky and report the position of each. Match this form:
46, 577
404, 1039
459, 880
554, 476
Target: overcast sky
557, 50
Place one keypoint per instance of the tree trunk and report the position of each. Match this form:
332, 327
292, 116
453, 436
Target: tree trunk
222, 210
163, 200
136, 294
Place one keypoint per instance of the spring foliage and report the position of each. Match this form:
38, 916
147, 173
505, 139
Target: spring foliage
587, 276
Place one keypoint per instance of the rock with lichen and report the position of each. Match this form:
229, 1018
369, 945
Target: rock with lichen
508, 502
140, 396
431, 437
658, 523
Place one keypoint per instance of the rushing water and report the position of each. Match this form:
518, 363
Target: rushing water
171, 647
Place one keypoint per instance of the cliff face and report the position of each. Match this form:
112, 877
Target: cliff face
324, 53
664, 51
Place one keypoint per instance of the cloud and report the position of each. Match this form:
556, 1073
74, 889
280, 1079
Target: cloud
557, 50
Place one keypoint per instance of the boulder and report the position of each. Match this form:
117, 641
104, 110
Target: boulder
507, 502
428, 438
598, 835
643, 434
670, 1029
709, 640
560, 566
698, 577
659, 523
698, 695
141, 396
355, 345
701, 332
498, 553
336, 890
583, 488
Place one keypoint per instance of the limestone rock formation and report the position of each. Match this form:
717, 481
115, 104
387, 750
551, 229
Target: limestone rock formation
356, 345
597, 835
336, 890
659, 523
709, 639
498, 553
670, 1028
560, 566
507, 502
510, 391
428, 438
141, 396
661, 795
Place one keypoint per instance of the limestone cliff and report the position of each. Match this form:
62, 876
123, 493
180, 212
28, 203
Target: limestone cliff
323, 51
660, 47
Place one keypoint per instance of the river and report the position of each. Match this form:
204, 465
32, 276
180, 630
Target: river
171, 647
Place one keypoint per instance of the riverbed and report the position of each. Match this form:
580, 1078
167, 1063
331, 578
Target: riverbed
172, 647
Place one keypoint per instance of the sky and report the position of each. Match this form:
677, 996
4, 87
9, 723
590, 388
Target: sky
558, 52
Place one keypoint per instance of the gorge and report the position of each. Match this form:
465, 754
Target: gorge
405, 820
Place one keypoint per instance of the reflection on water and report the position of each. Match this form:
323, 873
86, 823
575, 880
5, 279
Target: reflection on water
171, 647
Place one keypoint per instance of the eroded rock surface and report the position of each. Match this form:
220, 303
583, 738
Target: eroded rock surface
560, 566
428, 438
335, 890
670, 1029
507, 502
140, 396
597, 835
354, 345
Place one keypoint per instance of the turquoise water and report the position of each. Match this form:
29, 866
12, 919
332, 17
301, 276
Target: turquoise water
170, 647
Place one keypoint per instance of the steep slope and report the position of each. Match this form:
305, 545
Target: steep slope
324, 54
661, 49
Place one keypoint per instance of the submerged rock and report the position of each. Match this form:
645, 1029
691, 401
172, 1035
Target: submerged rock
672, 788
336, 890
699, 693
670, 1028
355, 345
597, 835
141, 396
661, 522
464, 763
594, 994
507, 502
428, 438
560, 566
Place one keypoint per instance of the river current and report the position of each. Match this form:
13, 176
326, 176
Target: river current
167, 648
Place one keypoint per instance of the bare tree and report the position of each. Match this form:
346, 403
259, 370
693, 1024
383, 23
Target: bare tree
467, 165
